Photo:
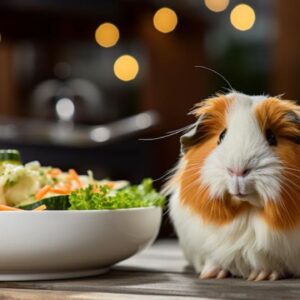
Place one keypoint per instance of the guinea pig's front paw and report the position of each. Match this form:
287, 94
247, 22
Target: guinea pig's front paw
264, 275
213, 271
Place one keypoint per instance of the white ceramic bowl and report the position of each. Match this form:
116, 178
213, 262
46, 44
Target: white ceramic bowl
37, 245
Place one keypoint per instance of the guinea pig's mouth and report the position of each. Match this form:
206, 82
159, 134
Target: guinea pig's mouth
239, 195
251, 198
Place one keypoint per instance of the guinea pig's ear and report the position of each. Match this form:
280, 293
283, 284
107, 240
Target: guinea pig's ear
193, 136
210, 114
294, 118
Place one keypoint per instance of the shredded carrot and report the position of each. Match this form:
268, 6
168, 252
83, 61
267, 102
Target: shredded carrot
96, 188
55, 172
74, 176
41, 207
68, 186
110, 184
42, 192
62, 191
8, 208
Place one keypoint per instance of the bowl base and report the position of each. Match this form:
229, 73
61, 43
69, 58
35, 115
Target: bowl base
50, 276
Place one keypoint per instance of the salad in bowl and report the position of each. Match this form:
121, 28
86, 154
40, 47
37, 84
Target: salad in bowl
31, 186
60, 224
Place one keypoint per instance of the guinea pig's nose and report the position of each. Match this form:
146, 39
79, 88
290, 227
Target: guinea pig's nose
239, 172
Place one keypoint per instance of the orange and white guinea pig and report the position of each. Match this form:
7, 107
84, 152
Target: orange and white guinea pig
235, 193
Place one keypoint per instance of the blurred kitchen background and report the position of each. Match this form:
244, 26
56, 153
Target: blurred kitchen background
82, 82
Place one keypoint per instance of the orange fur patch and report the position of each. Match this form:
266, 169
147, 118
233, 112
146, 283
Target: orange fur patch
193, 193
271, 114
214, 110
196, 196
283, 213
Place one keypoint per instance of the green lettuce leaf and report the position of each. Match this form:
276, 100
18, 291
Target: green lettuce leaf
142, 195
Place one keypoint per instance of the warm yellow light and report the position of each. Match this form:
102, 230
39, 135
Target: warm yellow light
242, 17
216, 5
126, 67
165, 20
107, 35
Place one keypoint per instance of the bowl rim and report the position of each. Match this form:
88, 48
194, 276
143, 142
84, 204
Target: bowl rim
82, 211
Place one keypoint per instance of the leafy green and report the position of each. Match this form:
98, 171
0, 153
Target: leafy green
142, 195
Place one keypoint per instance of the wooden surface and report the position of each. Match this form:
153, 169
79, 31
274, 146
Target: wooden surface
158, 273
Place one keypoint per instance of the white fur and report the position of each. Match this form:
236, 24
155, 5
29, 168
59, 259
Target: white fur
244, 146
241, 246
247, 243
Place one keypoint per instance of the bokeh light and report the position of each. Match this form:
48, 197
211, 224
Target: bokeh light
242, 17
65, 109
100, 134
165, 20
107, 35
126, 67
216, 5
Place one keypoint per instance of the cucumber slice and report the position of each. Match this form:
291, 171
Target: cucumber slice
10, 156
52, 203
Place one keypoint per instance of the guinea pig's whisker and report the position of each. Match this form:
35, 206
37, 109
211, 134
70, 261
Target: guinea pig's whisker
185, 128
166, 176
295, 169
285, 185
198, 163
168, 134
190, 186
194, 162
285, 180
292, 169
203, 189
285, 208
289, 167
285, 189
194, 168
200, 188
193, 182
292, 174
166, 212
202, 137
289, 186
267, 166
217, 73
282, 203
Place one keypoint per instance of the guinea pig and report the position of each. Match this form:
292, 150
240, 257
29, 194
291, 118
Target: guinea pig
235, 192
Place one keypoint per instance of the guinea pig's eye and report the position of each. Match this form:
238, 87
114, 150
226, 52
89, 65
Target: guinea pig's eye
271, 138
222, 135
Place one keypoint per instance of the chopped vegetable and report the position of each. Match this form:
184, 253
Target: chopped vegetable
52, 203
110, 184
8, 208
10, 156
74, 176
55, 172
31, 186
143, 195
20, 183
42, 192
41, 207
